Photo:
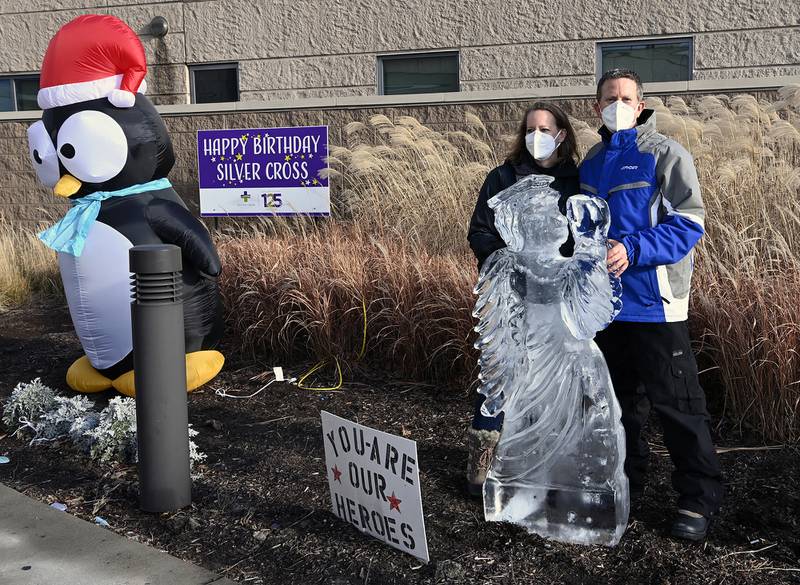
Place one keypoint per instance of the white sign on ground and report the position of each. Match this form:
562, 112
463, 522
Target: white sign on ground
374, 481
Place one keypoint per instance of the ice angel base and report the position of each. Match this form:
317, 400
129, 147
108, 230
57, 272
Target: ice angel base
558, 468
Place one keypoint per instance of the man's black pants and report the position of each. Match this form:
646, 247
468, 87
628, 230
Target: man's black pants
652, 367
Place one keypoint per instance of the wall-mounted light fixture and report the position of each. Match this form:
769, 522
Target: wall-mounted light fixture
159, 26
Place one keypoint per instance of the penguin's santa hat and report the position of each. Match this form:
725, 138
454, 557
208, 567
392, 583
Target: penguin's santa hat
92, 57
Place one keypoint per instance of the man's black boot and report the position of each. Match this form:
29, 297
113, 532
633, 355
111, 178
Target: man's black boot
690, 526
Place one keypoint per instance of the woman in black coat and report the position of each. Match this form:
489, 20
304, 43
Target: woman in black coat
545, 144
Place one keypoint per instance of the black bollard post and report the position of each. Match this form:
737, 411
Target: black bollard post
159, 364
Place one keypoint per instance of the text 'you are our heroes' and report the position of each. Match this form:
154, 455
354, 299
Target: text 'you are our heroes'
366, 456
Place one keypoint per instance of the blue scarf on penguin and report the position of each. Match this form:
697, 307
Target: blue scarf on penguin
69, 234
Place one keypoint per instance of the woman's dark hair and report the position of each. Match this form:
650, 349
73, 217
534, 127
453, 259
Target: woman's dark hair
567, 150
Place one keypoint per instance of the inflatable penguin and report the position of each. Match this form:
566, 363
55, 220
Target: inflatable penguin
102, 144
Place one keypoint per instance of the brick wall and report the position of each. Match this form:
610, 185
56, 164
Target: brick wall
24, 200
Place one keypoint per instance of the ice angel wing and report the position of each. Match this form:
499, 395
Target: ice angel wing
500, 313
592, 296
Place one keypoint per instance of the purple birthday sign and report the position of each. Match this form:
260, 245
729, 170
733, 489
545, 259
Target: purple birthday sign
265, 171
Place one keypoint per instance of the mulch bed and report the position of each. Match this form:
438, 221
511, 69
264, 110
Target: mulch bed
261, 509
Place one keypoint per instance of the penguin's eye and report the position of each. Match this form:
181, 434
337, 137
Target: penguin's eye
92, 146
43, 154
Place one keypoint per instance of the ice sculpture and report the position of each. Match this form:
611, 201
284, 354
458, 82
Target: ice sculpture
558, 468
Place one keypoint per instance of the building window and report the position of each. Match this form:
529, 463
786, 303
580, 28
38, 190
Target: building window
19, 93
418, 73
653, 60
214, 83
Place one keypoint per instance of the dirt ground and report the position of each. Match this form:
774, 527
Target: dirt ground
261, 506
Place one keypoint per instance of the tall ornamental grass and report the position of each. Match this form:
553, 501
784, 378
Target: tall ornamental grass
310, 298
26, 265
394, 257
397, 248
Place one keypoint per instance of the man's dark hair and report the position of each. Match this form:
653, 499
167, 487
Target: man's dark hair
620, 73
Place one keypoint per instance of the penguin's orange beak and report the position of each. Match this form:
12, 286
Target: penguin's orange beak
66, 186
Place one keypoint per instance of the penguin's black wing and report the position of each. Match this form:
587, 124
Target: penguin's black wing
175, 224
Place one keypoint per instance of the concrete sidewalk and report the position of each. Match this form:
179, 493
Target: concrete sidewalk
42, 546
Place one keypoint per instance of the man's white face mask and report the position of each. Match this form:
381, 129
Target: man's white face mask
618, 116
540, 144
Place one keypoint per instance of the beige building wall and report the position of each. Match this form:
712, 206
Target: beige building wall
511, 53
289, 49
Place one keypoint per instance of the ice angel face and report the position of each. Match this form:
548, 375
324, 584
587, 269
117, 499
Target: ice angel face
527, 216
558, 468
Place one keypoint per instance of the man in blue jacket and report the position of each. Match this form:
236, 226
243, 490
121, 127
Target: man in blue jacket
650, 184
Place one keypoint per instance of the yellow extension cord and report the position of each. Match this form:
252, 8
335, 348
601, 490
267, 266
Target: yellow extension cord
325, 362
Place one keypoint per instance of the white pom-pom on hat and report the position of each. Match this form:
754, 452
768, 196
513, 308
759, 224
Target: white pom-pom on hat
121, 98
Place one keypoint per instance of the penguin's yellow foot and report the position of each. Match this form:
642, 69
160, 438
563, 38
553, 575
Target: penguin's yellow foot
82, 377
201, 366
124, 384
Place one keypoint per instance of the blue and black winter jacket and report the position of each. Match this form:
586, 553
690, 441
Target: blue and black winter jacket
650, 184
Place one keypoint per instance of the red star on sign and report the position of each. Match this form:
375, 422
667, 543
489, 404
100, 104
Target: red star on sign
394, 503
337, 475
